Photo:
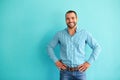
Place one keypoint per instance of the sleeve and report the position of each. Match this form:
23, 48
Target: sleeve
96, 48
51, 46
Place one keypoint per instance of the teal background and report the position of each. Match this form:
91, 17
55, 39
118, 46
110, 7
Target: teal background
26, 27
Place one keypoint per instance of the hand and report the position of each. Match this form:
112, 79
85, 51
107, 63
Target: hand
83, 66
60, 65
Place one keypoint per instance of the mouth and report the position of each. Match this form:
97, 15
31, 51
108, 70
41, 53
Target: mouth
71, 23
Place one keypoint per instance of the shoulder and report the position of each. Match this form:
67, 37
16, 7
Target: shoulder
60, 32
83, 31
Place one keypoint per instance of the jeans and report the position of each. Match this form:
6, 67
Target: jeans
72, 75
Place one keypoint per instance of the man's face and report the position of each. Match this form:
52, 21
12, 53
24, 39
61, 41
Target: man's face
71, 20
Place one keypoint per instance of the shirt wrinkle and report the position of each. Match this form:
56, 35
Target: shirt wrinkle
72, 47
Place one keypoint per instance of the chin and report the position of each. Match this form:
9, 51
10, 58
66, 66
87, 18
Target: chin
71, 27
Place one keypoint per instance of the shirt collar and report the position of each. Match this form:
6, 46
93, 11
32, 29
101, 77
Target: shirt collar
77, 29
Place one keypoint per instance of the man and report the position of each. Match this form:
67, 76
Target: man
72, 42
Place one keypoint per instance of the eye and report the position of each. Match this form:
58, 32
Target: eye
67, 18
73, 18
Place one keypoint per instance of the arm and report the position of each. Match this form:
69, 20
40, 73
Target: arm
95, 48
95, 52
50, 49
51, 46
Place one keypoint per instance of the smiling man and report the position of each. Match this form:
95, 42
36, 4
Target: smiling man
72, 41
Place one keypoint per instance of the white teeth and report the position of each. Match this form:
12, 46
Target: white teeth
70, 23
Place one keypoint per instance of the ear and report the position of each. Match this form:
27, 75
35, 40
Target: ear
77, 18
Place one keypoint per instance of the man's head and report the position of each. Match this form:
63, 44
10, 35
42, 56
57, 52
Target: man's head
71, 18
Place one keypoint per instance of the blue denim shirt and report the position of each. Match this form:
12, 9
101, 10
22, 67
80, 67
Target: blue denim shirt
72, 51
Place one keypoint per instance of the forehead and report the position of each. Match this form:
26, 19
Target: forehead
70, 15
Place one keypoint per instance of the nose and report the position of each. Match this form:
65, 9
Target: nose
70, 20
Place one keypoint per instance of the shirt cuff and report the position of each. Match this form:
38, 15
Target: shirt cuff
90, 61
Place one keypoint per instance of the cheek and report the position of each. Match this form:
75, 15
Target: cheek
67, 21
75, 20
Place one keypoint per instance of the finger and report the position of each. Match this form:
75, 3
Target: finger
82, 68
64, 67
59, 66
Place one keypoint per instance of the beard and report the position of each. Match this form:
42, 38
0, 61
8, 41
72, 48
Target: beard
71, 24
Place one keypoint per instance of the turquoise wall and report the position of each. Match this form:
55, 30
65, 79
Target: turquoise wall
26, 27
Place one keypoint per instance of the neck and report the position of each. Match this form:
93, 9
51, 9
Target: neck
72, 30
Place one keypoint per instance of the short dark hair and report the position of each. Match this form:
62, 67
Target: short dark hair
71, 11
